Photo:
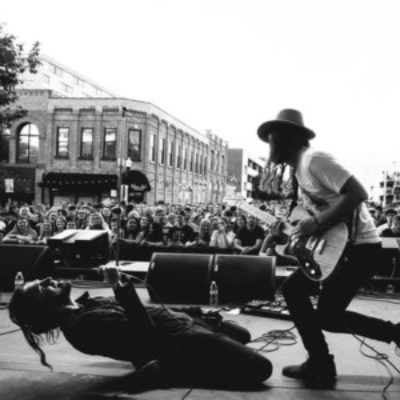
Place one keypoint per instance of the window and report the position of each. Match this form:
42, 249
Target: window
62, 142
4, 144
134, 144
79, 82
28, 144
185, 157
178, 157
217, 162
162, 150
57, 70
205, 165
87, 143
191, 160
222, 164
201, 165
153, 148
67, 88
110, 143
212, 160
196, 165
170, 154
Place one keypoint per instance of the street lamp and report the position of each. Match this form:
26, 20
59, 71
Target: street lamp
123, 163
123, 193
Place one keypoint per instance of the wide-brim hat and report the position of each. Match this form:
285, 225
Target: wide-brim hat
287, 118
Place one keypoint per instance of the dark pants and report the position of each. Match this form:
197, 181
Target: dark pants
205, 357
335, 295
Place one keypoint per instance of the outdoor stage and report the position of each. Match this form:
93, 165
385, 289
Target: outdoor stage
78, 376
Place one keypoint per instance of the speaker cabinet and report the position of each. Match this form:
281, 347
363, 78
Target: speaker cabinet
34, 261
243, 278
180, 278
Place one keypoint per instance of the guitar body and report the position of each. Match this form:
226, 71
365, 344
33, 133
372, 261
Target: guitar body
317, 255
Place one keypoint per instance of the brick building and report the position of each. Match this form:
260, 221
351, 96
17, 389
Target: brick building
74, 148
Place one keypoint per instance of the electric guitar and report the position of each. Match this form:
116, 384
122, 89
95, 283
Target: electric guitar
318, 254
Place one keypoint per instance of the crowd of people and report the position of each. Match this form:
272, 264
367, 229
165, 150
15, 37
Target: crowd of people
204, 226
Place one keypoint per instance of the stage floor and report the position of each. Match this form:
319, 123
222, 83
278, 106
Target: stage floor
77, 376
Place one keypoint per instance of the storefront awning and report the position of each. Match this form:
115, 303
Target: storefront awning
136, 180
88, 181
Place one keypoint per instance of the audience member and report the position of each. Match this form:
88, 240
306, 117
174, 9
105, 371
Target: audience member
221, 238
60, 224
203, 236
249, 238
153, 235
131, 232
389, 214
22, 233
394, 230
81, 219
180, 233
46, 231
241, 222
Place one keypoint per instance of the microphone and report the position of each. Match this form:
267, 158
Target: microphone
126, 277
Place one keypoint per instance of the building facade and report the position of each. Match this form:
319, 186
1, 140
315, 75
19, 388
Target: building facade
70, 149
243, 168
389, 189
62, 80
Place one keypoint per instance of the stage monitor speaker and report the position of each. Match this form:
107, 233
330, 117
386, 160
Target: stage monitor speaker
243, 278
34, 261
180, 278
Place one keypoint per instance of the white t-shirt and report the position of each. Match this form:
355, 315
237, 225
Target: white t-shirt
222, 240
321, 178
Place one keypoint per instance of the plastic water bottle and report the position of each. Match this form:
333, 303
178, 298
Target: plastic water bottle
213, 294
19, 280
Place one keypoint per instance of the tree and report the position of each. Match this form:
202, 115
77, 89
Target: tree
13, 63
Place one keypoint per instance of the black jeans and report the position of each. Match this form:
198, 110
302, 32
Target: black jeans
204, 357
335, 295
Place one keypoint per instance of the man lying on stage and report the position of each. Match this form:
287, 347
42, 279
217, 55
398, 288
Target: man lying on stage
166, 347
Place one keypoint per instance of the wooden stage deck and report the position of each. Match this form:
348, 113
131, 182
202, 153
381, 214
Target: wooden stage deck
78, 376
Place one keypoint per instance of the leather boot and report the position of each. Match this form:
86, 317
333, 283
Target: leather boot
318, 372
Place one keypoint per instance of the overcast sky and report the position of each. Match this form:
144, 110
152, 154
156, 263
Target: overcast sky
229, 65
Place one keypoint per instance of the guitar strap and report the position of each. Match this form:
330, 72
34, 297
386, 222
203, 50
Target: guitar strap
353, 224
295, 194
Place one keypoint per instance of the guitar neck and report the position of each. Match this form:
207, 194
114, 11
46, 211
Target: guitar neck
265, 217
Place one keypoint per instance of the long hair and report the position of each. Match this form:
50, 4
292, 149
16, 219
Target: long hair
36, 319
42, 233
205, 230
287, 143
103, 223
132, 234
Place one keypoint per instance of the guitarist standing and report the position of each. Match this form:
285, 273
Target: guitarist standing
333, 195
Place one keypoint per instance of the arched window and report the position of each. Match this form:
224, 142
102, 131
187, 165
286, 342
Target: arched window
28, 144
4, 144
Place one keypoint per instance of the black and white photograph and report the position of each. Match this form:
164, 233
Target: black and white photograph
199, 199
